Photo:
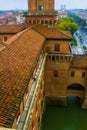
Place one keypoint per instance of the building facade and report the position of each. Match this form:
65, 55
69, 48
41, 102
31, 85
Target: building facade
41, 11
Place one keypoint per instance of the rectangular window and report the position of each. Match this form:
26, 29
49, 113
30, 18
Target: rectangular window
40, 7
72, 73
57, 47
33, 126
5, 38
55, 73
18, 114
83, 74
27, 90
53, 58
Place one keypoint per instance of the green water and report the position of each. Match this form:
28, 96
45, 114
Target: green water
65, 118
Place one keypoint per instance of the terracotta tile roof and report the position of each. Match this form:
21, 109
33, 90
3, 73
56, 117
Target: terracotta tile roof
13, 38
11, 28
2, 47
52, 32
17, 61
62, 12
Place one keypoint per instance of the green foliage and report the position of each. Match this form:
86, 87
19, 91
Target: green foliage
80, 38
77, 19
73, 42
84, 47
67, 24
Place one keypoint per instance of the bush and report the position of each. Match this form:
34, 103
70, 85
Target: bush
84, 47
73, 42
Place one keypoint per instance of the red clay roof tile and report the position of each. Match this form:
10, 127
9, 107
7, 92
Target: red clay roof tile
52, 32
11, 28
16, 62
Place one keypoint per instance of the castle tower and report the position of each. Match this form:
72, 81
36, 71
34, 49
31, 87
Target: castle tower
40, 11
40, 5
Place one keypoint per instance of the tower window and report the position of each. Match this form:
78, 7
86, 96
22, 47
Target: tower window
57, 47
83, 74
27, 90
40, 7
17, 115
5, 38
55, 74
72, 73
53, 58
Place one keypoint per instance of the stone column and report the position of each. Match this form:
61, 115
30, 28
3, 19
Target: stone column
84, 104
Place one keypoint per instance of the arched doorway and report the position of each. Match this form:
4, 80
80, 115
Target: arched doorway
73, 101
75, 94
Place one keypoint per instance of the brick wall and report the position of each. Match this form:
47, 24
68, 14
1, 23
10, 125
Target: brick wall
64, 45
33, 5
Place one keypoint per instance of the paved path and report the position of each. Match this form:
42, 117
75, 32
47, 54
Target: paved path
78, 50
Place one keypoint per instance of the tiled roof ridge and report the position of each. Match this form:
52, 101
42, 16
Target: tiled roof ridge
15, 28
40, 29
64, 32
14, 38
39, 32
2, 47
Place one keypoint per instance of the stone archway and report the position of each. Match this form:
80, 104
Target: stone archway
76, 90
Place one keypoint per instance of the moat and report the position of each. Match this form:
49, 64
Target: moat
71, 117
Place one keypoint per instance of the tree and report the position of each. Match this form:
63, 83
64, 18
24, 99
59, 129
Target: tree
67, 24
77, 19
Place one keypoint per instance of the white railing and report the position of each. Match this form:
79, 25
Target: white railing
2, 128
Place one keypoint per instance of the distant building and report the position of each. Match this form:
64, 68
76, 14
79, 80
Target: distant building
20, 18
81, 13
62, 13
85, 15
63, 7
12, 18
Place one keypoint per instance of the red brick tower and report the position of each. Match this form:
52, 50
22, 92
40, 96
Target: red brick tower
40, 11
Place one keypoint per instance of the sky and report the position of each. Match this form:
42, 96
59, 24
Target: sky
22, 4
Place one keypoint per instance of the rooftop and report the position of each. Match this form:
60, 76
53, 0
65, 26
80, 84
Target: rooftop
49, 32
11, 28
17, 61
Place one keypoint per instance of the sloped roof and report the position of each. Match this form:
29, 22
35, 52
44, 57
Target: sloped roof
17, 61
52, 32
2, 47
11, 28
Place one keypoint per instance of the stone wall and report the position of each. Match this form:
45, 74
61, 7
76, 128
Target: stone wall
56, 86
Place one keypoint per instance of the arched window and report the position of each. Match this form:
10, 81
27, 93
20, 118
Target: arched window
40, 7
